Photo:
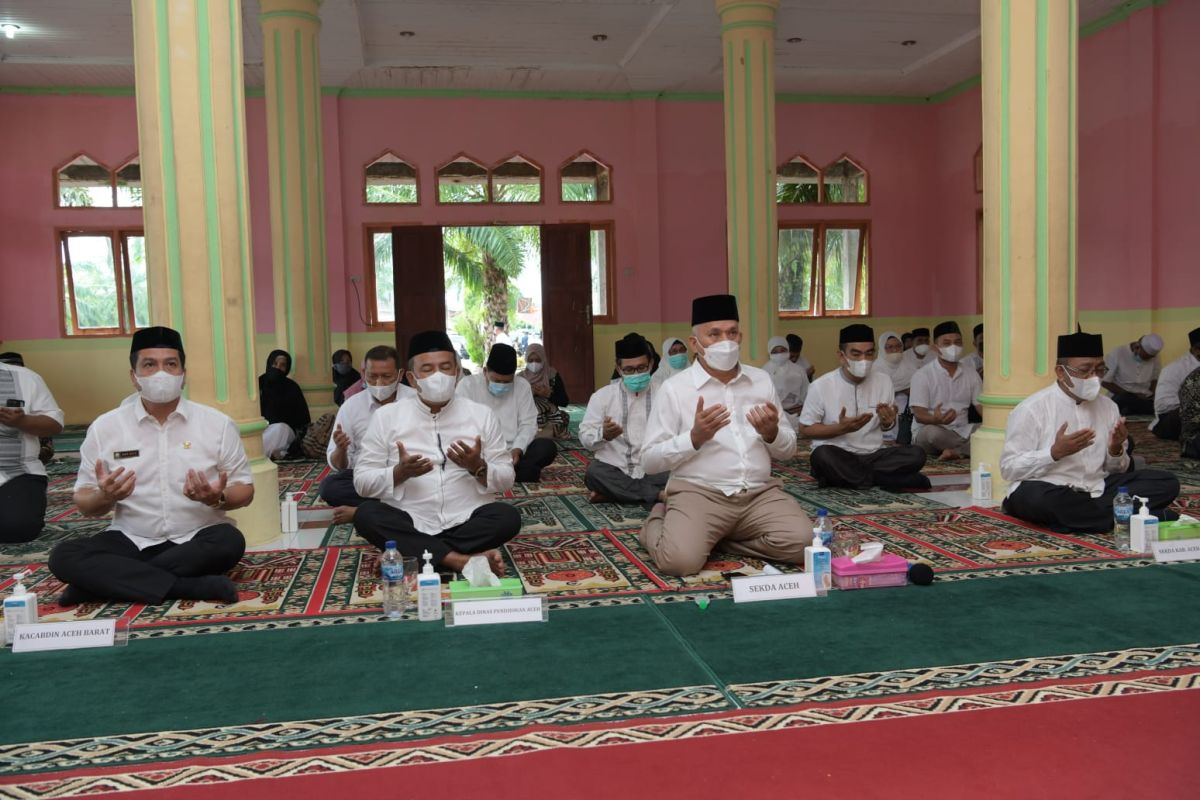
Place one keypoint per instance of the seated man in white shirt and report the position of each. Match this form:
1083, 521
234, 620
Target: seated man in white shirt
1064, 450
846, 413
1167, 422
432, 464
975, 360
168, 469
716, 427
614, 429
27, 412
381, 373
919, 354
510, 398
796, 355
942, 394
1133, 374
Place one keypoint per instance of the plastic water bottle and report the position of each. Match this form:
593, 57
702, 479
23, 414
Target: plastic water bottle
824, 528
1122, 511
391, 577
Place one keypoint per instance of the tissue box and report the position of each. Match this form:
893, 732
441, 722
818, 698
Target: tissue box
1174, 531
889, 570
463, 590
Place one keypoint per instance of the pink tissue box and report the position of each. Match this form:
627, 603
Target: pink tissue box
889, 570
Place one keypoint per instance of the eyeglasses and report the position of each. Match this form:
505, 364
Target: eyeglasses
642, 370
1099, 371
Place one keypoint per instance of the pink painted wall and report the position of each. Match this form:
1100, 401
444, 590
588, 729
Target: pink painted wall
1139, 166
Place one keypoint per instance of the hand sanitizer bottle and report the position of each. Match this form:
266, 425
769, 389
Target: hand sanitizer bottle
429, 592
1143, 528
817, 564
20, 608
982, 482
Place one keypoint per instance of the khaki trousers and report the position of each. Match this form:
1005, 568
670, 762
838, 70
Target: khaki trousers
762, 523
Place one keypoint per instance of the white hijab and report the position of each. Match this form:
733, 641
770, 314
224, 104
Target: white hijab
665, 370
771, 367
900, 372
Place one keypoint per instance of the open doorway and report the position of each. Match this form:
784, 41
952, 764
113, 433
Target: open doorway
492, 274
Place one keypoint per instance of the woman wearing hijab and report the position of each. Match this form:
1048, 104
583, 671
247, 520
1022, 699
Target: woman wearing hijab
674, 360
549, 394
790, 378
891, 362
282, 405
344, 375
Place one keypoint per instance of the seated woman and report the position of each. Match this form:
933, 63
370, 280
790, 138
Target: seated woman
549, 394
344, 375
674, 360
790, 379
282, 405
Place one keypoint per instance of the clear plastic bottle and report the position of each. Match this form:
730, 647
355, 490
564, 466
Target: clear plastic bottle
391, 579
1122, 511
823, 528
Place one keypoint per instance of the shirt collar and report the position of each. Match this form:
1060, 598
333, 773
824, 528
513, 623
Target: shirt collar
700, 376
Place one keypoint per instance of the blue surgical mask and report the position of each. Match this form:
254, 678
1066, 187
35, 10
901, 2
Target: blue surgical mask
677, 361
636, 383
499, 389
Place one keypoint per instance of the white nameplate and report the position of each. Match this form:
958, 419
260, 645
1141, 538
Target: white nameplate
64, 635
497, 611
1177, 550
753, 588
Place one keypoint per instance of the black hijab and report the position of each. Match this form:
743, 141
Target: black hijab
343, 381
279, 397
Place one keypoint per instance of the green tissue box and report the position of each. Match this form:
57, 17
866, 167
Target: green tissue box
463, 590
1174, 531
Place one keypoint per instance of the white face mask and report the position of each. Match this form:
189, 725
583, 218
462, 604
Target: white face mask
533, 366
859, 369
722, 356
384, 392
161, 387
950, 353
437, 388
1086, 389
893, 358
921, 350
780, 358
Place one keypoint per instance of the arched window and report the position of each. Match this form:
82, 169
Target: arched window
844, 181
83, 182
517, 179
462, 179
584, 178
798, 181
389, 179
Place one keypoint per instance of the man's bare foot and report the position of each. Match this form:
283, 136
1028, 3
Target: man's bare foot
597, 497
454, 562
496, 562
343, 515
950, 455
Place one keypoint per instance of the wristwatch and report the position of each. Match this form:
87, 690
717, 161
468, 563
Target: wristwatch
481, 471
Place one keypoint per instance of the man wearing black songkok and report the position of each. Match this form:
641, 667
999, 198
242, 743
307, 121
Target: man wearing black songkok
168, 469
1064, 450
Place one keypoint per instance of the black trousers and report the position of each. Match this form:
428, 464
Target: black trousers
1128, 404
110, 566
896, 467
611, 482
1170, 426
490, 526
537, 456
1067, 510
22, 508
337, 489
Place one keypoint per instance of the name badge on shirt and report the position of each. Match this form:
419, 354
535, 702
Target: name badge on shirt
119, 454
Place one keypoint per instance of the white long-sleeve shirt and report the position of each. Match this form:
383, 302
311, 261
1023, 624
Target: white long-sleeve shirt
446, 495
1130, 373
629, 410
1166, 393
353, 418
934, 386
1032, 428
832, 392
515, 410
736, 458
19, 450
195, 437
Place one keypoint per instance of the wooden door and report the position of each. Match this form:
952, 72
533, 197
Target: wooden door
567, 306
420, 281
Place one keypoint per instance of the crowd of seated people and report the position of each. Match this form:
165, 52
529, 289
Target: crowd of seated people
420, 453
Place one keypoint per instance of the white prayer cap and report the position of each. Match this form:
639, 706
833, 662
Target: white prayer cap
1152, 343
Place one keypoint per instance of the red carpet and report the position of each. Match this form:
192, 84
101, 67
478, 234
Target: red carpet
1130, 746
